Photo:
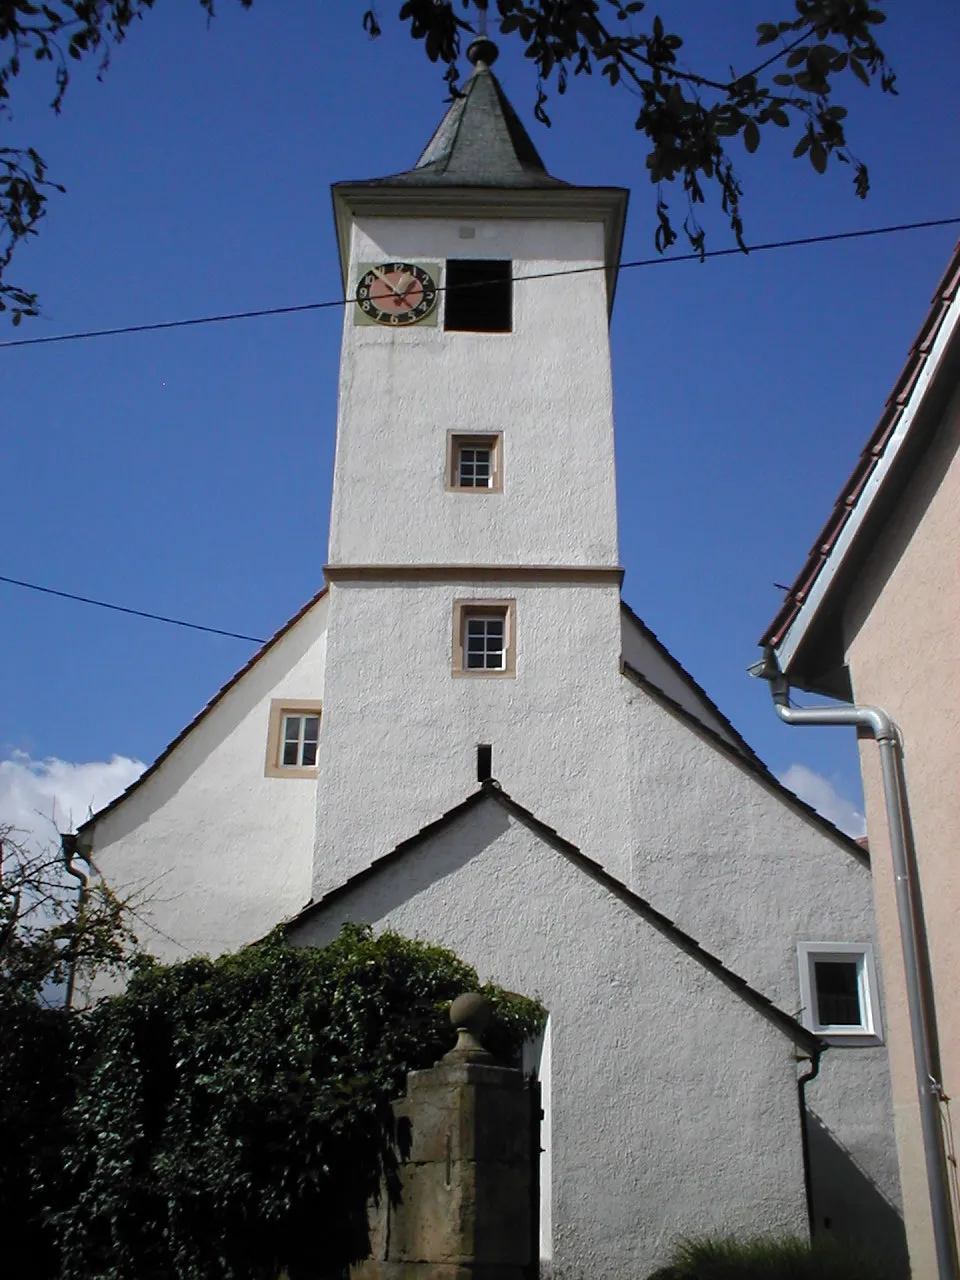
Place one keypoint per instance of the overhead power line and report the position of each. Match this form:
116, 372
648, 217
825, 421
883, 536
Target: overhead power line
543, 275
136, 613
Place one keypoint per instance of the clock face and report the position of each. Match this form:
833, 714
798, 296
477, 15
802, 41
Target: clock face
396, 294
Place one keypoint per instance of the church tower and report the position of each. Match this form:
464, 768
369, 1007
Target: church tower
473, 563
629, 859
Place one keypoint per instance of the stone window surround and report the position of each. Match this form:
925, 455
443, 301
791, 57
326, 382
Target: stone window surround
462, 610
492, 440
279, 708
870, 1030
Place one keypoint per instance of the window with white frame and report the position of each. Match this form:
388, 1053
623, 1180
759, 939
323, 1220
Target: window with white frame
484, 637
474, 466
485, 641
838, 988
293, 738
301, 733
473, 463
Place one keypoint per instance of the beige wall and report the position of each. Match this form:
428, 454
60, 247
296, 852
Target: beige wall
901, 627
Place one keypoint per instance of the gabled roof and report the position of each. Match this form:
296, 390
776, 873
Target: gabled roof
492, 791
695, 688
87, 827
858, 848
806, 633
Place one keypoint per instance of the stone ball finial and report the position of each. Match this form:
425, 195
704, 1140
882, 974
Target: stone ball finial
482, 52
470, 1014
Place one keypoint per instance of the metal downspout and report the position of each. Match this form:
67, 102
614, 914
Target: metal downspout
802, 1083
68, 847
919, 988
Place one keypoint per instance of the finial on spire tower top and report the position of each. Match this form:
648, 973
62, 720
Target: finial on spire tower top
482, 52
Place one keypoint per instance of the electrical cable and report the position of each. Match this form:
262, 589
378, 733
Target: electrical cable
341, 302
137, 613
543, 275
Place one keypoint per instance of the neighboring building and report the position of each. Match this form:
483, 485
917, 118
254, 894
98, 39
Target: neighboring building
473, 629
874, 617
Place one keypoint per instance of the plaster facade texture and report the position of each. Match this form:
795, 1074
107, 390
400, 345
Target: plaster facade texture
546, 386
900, 628
727, 857
674, 1104
399, 738
639, 652
216, 852
674, 811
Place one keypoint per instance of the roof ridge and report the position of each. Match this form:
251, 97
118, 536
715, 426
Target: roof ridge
461, 99
492, 790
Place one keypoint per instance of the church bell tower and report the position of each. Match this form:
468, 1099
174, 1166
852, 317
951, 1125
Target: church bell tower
473, 563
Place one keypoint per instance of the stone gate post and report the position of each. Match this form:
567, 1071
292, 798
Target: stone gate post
467, 1196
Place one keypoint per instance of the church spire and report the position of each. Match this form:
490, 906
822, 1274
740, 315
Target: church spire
480, 142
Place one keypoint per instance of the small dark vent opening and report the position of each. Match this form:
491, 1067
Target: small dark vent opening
479, 296
484, 762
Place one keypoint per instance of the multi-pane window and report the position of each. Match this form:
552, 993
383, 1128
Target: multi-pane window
484, 637
474, 467
838, 985
474, 462
301, 734
293, 738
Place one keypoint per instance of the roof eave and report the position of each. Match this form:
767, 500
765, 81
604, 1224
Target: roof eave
810, 650
353, 200
86, 829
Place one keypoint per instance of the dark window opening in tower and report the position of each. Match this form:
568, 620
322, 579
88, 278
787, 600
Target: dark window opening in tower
479, 296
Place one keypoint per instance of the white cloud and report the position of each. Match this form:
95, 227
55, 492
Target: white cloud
820, 793
41, 797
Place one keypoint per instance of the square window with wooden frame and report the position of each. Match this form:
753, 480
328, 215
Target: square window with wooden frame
474, 463
839, 994
484, 638
293, 738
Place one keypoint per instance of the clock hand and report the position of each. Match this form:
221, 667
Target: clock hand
382, 277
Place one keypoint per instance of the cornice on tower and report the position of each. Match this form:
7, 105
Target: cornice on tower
481, 163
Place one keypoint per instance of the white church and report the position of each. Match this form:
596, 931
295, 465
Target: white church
469, 737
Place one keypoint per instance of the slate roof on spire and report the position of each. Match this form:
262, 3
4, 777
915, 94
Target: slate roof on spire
480, 143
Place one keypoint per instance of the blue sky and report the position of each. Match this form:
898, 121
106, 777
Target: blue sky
188, 472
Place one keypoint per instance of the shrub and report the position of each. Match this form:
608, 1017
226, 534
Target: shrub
771, 1258
234, 1117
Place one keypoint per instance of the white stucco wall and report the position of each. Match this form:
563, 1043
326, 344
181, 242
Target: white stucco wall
730, 860
215, 852
546, 386
399, 737
643, 655
674, 1104
224, 853
697, 832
